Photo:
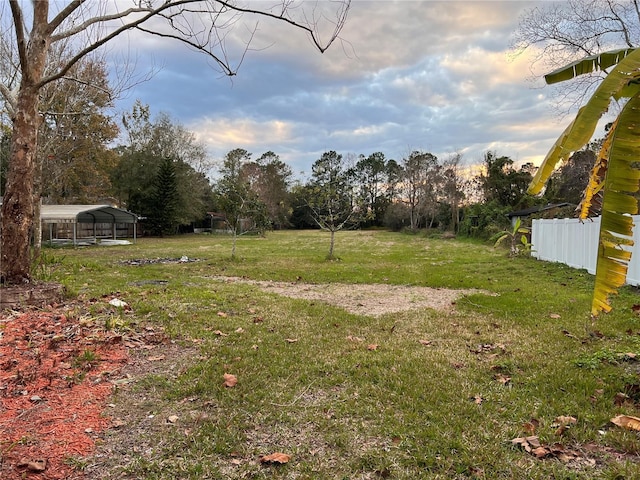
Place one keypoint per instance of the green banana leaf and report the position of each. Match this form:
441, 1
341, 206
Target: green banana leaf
621, 81
600, 62
619, 203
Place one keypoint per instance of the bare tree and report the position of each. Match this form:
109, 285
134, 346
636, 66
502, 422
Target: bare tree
562, 32
83, 27
331, 198
452, 186
420, 174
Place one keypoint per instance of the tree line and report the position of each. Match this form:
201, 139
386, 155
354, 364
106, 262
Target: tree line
161, 172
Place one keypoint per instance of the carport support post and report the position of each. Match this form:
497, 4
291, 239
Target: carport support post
74, 233
114, 230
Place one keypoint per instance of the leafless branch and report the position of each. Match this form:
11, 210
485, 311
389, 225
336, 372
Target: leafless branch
18, 25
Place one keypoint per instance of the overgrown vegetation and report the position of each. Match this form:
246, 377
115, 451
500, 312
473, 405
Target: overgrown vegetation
416, 394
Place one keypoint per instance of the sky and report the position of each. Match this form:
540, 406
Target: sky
436, 76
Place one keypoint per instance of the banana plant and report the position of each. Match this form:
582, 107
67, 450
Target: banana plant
517, 238
615, 177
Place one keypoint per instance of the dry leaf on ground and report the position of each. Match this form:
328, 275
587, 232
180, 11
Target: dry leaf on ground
276, 458
230, 380
531, 426
528, 443
627, 421
566, 420
39, 465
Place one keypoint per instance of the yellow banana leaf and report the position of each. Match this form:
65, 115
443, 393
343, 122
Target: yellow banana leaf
591, 203
619, 203
620, 81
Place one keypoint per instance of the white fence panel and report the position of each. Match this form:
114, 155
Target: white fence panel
575, 243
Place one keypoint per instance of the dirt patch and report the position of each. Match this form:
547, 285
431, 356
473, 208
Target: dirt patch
366, 299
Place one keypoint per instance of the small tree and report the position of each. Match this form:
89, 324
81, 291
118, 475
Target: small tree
331, 200
243, 210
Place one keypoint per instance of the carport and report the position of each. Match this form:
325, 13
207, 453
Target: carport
86, 214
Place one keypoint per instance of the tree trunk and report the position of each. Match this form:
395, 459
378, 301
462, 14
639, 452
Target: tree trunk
331, 244
18, 202
233, 244
17, 205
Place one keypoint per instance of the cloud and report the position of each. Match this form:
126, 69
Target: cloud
431, 75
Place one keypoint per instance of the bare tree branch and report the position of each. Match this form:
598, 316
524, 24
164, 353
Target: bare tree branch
18, 25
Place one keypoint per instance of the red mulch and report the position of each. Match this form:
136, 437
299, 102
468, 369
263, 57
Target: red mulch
52, 392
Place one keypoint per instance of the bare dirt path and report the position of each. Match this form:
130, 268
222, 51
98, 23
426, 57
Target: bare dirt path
364, 299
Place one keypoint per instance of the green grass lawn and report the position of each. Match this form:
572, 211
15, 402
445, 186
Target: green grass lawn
441, 396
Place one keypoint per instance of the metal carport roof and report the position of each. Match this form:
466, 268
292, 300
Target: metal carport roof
85, 214
91, 214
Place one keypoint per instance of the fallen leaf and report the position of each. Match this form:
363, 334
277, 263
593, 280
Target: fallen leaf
355, 339
276, 458
425, 342
372, 346
240, 330
172, 419
156, 359
566, 420
291, 340
626, 421
554, 316
230, 380
541, 452
221, 334
222, 314
527, 443
236, 461
568, 334
636, 308
503, 379
531, 426
38, 465
477, 399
